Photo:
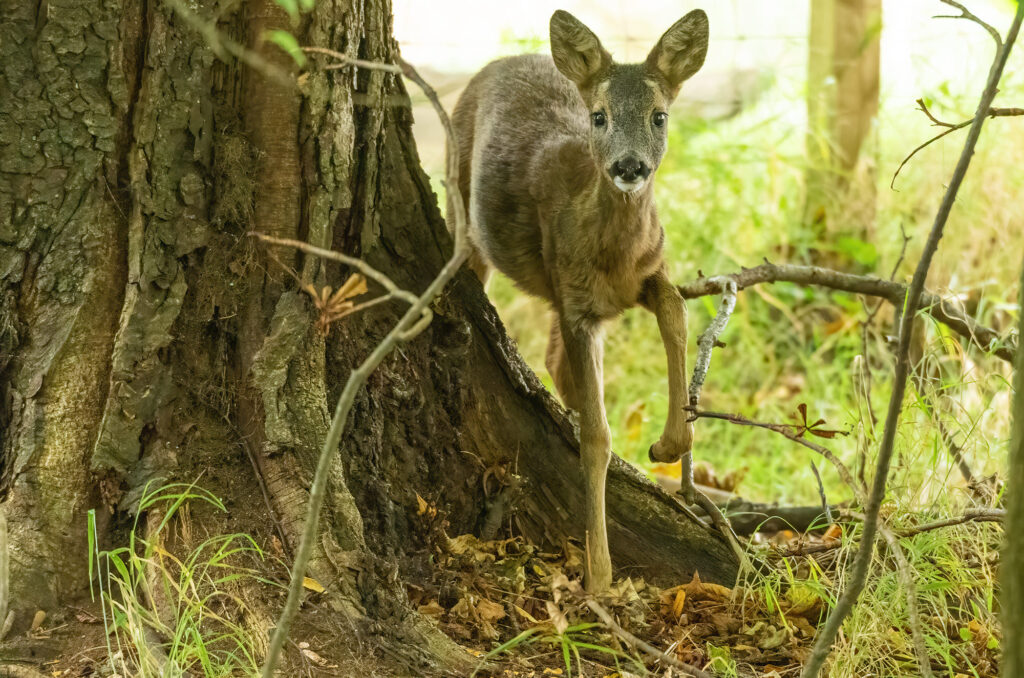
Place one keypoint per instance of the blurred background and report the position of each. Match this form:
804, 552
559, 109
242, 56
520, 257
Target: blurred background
784, 146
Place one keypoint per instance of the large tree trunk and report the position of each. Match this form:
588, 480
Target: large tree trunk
143, 335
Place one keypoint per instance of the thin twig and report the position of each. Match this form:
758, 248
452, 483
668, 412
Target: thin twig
637, 644
965, 14
872, 286
404, 68
363, 267
344, 60
415, 320
827, 635
789, 431
821, 493
223, 46
979, 515
950, 128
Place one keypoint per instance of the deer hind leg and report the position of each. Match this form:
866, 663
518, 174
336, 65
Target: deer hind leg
584, 354
478, 264
557, 363
663, 299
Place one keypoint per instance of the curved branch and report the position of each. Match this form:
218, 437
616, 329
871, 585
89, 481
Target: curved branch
950, 128
938, 308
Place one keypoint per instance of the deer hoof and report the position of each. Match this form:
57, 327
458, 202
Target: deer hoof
660, 452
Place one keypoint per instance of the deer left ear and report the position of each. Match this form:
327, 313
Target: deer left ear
680, 52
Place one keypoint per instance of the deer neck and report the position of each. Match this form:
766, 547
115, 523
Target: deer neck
622, 214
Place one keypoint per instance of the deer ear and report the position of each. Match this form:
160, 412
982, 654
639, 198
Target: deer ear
680, 52
577, 52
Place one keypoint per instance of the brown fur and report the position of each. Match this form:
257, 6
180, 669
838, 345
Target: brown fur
556, 164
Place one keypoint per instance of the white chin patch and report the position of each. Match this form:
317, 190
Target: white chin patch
628, 186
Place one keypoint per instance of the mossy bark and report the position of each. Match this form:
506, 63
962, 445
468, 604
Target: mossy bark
143, 335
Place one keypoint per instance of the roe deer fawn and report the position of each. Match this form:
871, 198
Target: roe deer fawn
556, 158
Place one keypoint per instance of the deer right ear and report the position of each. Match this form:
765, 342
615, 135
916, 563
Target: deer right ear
577, 52
680, 52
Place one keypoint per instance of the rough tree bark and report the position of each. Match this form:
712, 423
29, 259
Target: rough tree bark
143, 335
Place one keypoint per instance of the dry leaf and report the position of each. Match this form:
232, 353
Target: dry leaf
525, 615
677, 604
314, 657
488, 611
556, 617
698, 590
38, 620
431, 609
312, 584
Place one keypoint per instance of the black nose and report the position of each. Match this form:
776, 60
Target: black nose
630, 168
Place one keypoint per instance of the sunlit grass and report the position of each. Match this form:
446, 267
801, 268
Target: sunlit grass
166, 615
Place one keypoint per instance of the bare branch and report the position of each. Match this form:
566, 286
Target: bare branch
950, 128
705, 345
893, 292
709, 338
978, 515
827, 635
790, 431
637, 644
343, 60
965, 14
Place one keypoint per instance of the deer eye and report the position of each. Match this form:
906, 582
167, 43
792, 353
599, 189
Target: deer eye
659, 119
598, 119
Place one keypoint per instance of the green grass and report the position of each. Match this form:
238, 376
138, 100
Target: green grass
170, 616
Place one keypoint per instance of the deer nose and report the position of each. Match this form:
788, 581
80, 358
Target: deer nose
630, 168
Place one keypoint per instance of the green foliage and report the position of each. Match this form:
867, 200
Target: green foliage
568, 644
166, 615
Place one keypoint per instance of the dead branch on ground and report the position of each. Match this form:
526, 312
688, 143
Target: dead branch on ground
978, 515
637, 644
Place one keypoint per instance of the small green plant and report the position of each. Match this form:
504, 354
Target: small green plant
569, 643
170, 616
